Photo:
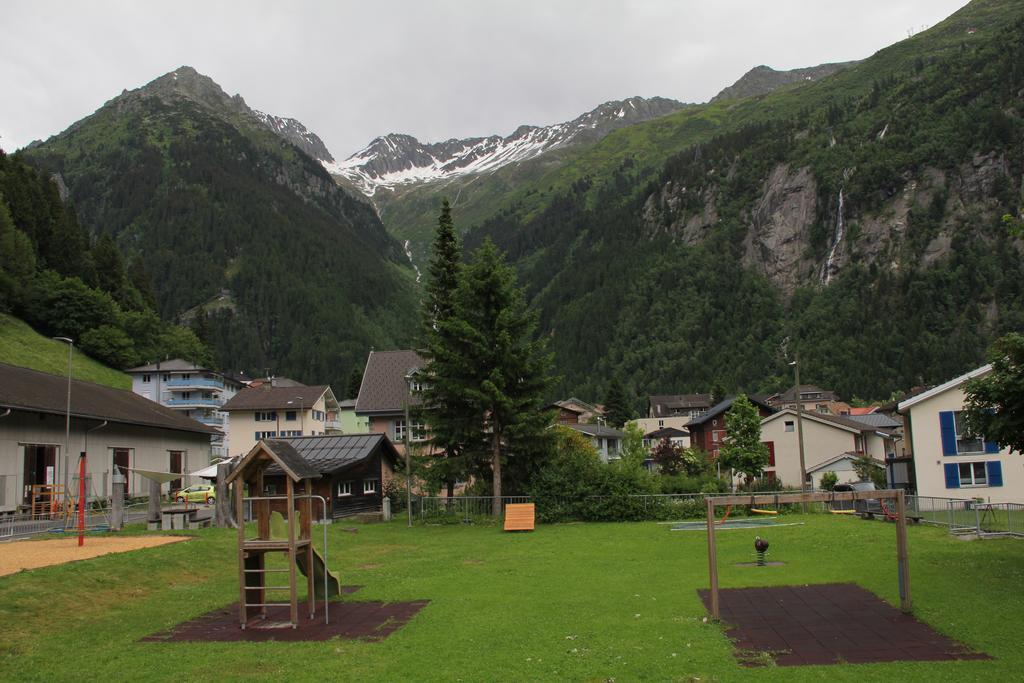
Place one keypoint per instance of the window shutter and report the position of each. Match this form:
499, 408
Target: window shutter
994, 469
771, 453
947, 428
952, 475
991, 447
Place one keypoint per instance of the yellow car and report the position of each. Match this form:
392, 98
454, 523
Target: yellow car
199, 493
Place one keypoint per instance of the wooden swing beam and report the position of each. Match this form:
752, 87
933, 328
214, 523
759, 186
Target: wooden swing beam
902, 565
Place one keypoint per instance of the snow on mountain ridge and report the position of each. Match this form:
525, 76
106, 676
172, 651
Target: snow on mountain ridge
399, 159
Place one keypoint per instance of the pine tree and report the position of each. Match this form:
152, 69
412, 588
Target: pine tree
492, 365
444, 406
617, 408
355, 380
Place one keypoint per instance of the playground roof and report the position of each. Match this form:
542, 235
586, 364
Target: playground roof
285, 460
330, 453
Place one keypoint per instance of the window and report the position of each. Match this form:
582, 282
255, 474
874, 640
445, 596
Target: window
265, 416
145, 379
370, 485
714, 436
417, 386
290, 415
661, 423
265, 435
318, 415
789, 425
973, 474
399, 430
823, 409
186, 376
167, 378
291, 432
344, 488
419, 431
965, 443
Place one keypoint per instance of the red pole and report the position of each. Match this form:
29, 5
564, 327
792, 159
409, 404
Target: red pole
81, 499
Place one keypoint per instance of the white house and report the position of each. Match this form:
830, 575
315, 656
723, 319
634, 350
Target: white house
949, 462
606, 440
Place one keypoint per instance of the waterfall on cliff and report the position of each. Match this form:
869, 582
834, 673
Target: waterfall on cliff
828, 268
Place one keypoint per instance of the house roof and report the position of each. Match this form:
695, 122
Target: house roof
878, 420
285, 459
597, 430
663, 404
724, 406
172, 365
951, 384
266, 397
384, 388
24, 389
856, 412
347, 403
666, 433
791, 393
847, 423
328, 454
849, 455
577, 406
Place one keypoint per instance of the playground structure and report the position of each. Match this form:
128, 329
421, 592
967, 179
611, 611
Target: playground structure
280, 460
899, 515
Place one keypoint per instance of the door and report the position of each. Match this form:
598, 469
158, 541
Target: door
40, 468
177, 462
122, 459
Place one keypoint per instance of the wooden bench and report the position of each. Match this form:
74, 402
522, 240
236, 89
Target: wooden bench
519, 517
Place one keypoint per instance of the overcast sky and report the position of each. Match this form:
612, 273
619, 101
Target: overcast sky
435, 69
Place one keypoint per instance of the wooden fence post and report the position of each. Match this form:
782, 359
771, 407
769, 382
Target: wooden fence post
712, 558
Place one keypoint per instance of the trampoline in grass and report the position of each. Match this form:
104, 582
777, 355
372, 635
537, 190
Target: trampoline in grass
732, 523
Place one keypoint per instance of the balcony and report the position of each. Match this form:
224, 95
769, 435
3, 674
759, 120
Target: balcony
194, 382
332, 425
211, 420
196, 402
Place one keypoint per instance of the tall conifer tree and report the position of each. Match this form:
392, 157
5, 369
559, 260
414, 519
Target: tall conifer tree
617, 407
444, 407
493, 364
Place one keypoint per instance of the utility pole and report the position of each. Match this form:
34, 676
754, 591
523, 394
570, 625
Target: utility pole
67, 420
408, 464
800, 423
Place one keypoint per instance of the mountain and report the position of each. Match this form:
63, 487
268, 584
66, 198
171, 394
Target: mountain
219, 205
397, 159
762, 80
294, 132
855, 218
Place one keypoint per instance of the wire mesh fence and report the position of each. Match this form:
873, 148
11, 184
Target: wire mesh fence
96, 519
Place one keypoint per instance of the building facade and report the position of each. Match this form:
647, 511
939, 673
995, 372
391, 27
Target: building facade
194, 391
115, 428
269, 411
949, 462
388, 393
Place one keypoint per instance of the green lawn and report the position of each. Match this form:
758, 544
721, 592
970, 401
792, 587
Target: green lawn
22, 346
566, 602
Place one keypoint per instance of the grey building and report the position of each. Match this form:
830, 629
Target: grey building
113, 426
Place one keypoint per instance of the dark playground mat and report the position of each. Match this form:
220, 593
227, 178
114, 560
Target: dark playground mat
827, 624
372, 621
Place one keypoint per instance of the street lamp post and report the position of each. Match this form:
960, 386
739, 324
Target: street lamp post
799, 423
67, 417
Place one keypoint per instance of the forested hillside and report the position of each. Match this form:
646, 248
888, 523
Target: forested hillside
245, 236
63, 282
859, 216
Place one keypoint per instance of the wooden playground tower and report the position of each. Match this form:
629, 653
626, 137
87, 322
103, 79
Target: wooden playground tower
297, 547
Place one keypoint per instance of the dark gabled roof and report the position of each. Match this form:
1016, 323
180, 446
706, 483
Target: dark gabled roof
666, 433
285, 459
266, 397
172, 365
330, 453
597, 430
724, 406
791, 393
384, 388
876, 420
840, 420
661, 405
24, 389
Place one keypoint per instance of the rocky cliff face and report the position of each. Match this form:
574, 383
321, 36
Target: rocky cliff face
294, 132
761, 80
398, 159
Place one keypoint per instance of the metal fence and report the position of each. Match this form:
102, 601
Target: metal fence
97, 518
969, 516
464, 508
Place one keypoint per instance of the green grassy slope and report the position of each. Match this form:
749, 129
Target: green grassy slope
22, 346
581, 602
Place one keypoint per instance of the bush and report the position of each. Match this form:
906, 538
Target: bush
829, 480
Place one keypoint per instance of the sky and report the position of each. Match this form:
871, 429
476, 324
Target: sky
435, 69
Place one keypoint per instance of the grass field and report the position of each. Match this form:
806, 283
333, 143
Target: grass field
22, 346
567, 602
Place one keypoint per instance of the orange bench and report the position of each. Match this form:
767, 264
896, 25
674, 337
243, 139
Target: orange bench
519, 517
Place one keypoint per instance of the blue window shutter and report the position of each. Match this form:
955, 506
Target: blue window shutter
952, 475
991, 447
994, 469
947, 428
